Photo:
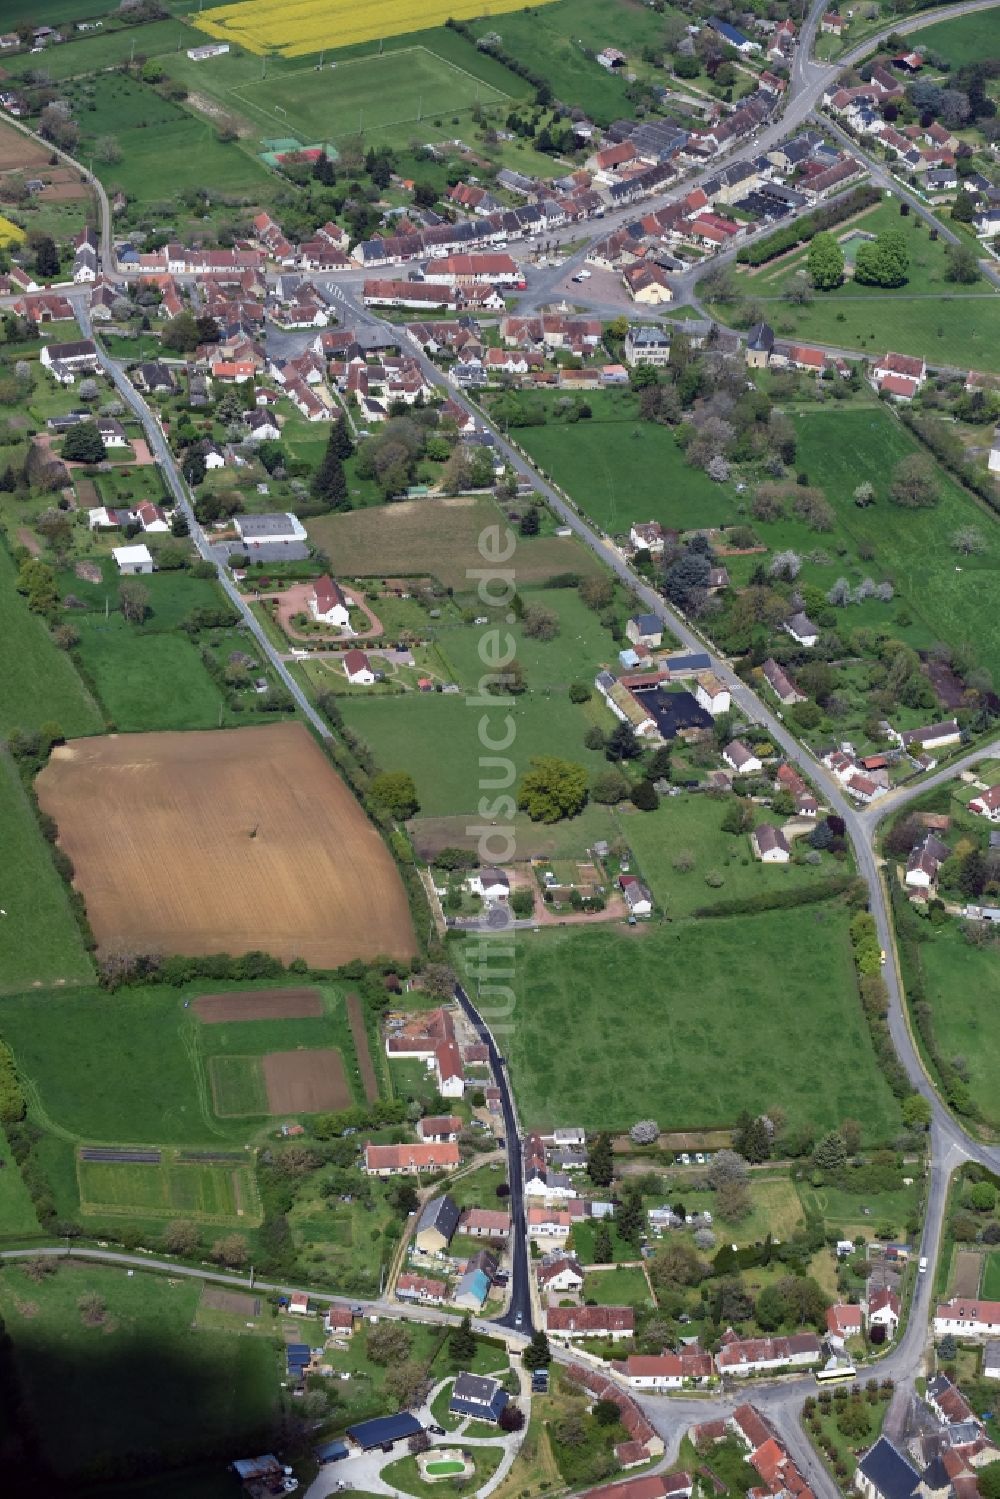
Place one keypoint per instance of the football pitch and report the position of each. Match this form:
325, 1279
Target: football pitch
210, 1192
370, 94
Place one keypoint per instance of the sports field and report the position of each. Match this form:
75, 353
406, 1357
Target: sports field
365, 94
208, 1192
40, 942
620, 469
691, 1023
225, 842
293, 28
441, 539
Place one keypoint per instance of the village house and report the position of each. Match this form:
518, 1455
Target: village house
711, 694
647, 536
932, 736
637, 896
987, 804
423, 1288
666, 1371
574, 1322
645, 343
328, 604
491, 885
357, 668
439, 1127
485, 1223
478, 1396
967, 1318
645, 629
742, 1356
132, 560
884, 1473
924, 862
947, 1401
781, 683
338, 1322
881, 1308
900, 375
770, 844
842, 1322
760, 342
436, 1225
546, 1225
559, 1273
802, 630
402, 1160
739, 758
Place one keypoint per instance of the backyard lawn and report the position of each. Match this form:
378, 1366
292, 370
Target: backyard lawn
719, 1008
624, 1286
40, 942
620, 469
689, 825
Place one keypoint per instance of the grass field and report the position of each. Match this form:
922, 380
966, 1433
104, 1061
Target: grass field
991, 1277
963, 987
620, 469
947, 603
549, 40
293, 28
160, 1051
237, 1086
40, 942
87, 1388
730, 1014
381, 96
207, 1192
438, 538
149, 681
436, 738
624, 1286
692, 824
40, 684
947, 324
962, 40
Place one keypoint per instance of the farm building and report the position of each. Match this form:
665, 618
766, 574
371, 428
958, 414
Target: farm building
384, 1431
132, 560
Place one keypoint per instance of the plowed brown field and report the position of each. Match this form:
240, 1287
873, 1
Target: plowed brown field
224, 841
258, 1004
305, 1082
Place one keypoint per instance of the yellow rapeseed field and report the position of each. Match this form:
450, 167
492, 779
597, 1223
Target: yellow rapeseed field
294, 27
10, 234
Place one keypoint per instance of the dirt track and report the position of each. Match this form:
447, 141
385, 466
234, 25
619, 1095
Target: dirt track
305, 1082
258, 1004
224, 841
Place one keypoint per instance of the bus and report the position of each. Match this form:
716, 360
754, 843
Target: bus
831, 1376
